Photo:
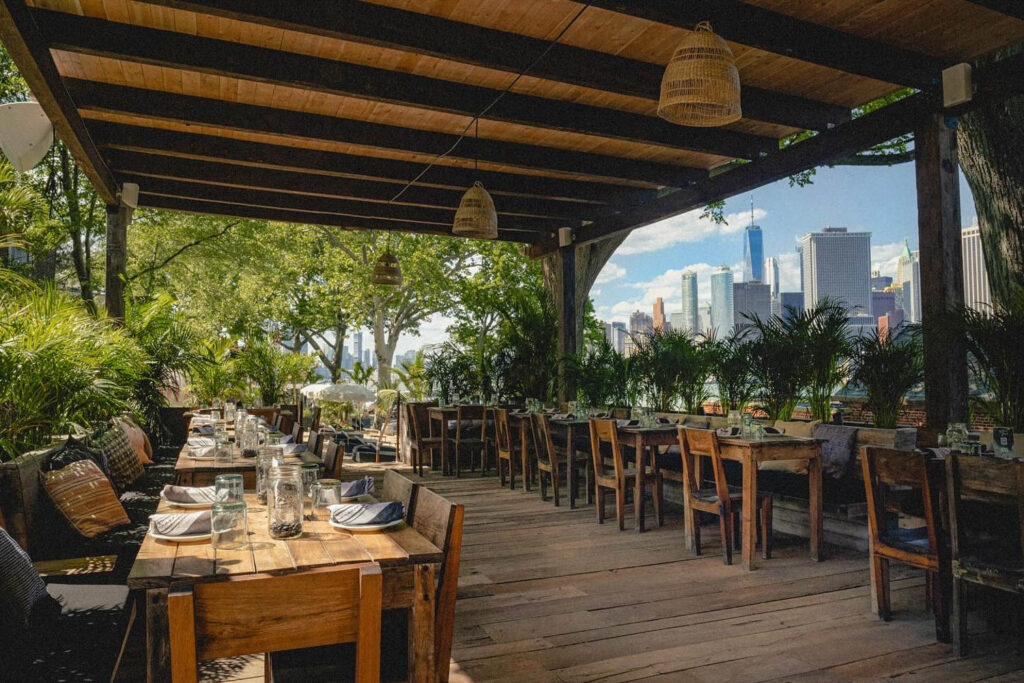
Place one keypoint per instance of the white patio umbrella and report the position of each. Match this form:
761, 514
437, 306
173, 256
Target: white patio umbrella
312, 391
346, 392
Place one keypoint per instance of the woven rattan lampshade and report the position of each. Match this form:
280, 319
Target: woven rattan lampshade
476, 216
701, 86
387, 271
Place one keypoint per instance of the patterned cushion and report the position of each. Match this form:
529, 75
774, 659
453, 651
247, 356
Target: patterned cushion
21, 587
85, 497
791, 428
137, 438
73, 450
123, 464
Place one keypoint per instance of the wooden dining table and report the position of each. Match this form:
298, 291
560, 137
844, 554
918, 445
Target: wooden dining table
408, 565
189, 471
751, 453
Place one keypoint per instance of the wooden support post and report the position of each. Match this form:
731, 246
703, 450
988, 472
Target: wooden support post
118, 217
938, 225
567, 332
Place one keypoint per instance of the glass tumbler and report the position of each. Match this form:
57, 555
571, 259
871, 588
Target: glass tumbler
309, 472
228, 487
229, 525
325, 492
284, 502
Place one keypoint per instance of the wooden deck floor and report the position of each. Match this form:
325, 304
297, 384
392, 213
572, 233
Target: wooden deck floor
546, 594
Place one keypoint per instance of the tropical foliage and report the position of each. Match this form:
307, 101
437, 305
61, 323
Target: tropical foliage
995, 360
887, 366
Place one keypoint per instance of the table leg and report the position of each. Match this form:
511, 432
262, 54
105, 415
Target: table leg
158, 642
749, 513
524, 452
570, 471
445, 465
422, 635
814, 476
638, 494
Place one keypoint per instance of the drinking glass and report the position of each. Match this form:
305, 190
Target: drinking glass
309, 473
229, 525
284, 502
956, 436
228, 487
325, 492
748, 426
269, 457
733, 419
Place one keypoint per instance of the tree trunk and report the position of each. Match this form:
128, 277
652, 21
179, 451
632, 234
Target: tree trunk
990, 140
340, 332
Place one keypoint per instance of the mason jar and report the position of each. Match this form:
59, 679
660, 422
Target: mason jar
268, 457
284, 502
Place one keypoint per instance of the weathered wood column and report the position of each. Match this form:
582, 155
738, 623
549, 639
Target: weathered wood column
118, 218
942, 289
567, 332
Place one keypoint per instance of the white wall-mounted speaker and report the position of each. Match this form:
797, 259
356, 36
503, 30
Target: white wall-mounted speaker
130, 195
25, 134
957, 85
564, 237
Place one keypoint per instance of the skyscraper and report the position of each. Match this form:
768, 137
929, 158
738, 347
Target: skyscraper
677, 323
721, 301
357, 346
619, 336
704, 323
912, 291
690, 314
753, 254
367, 356
903, 263
977, 294
771, 276
750, 299
640, 323
836, 264
658, 321
791, 300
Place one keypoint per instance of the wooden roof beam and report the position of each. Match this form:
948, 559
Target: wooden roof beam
441, 219
221, 208
255, 119
399, 29
236, 60
149, 165
32, 57
335, 164
781, 34
1012, 8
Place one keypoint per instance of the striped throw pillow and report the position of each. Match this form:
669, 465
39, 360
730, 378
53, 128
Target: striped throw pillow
85, 497
123, 464
20, 585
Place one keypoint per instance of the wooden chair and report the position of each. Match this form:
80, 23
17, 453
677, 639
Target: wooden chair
334, 458
252, 614
722, 500
278, 420
892, 477
553, 459
397, 487
440, 522
315, 443
297, 433
982, 553
422, 444
468, 436
508, 450
617, 478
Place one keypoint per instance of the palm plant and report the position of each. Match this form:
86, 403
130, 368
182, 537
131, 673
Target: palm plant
730, 362
776, 346
995, 360
525, 364
448, 373
594, 374
887, 366
413, 376
61, 369
215, 377
827, 352
262, 363
360, 374
672, 368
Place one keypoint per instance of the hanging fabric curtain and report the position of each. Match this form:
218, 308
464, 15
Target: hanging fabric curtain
701, 85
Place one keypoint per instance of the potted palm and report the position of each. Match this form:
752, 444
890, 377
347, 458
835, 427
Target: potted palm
673, 369
827, 352
776, 346
734, 377
886, 367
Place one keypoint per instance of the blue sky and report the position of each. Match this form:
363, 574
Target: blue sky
880, 200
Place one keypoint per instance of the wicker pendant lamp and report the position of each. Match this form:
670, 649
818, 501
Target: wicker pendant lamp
476, 217
701, 85
386, 270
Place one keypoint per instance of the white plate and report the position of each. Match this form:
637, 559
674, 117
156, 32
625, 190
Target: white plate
366, 527
198, 506
180, 539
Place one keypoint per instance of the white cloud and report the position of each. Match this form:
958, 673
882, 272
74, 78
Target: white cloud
611, 271
687, 227
884, 257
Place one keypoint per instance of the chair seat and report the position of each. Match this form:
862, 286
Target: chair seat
911, 540
710, 495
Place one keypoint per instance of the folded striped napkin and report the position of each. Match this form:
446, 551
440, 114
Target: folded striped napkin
188, 494
359, 487
366, 514
189, 524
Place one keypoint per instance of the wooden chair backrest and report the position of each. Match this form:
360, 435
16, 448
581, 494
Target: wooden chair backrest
315, 443
462, 416
333, 459
278, 419
297, 433
253, 614
398, 487
606, 431
419, 418
542, 442
887, 467
502, 433
984, 479
440, 522
694, 443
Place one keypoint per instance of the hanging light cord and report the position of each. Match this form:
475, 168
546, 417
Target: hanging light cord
491, 105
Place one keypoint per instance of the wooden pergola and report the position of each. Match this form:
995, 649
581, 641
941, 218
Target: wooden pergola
323, 111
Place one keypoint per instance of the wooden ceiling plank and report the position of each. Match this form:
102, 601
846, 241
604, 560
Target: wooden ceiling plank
127, 162
348, 165
423, 34
204, 111
236, 60
214, 208
1011, 8
25, 45
780, 34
